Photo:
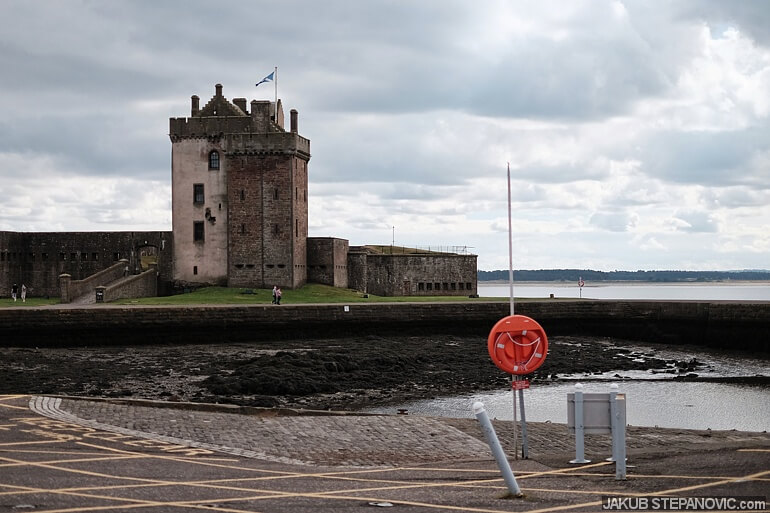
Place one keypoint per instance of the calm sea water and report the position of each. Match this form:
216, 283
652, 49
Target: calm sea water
759, 291
658, 403
650, 402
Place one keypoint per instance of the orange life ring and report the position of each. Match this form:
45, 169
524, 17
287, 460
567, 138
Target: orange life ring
517, 344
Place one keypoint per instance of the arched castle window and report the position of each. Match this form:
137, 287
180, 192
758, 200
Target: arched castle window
214, 160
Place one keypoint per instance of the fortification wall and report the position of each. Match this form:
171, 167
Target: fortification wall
729, 325
327, 261
357, 270
421, 275
144, 284
37, 259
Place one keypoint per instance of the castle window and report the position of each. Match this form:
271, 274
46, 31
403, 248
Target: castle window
296, 227
276, 229
462, 285
243, 195
94, 256
214, 160
275, 193
468, 286
198, 193
84, 256
421, 286
429, 286
195, 269
454, 286
115, 256
437, 286
198, 231
45, 256
62, 257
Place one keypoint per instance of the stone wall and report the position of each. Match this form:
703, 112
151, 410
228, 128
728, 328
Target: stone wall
72, 289
38, 259
421, 275
357, 269
729, 325
327, 261
144, 284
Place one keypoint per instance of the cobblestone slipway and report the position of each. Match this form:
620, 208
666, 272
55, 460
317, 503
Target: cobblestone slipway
327, 439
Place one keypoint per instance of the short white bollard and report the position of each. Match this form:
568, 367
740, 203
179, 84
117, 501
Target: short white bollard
618, 423
497, 450
579, 427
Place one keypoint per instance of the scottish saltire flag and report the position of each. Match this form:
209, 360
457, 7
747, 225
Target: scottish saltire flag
267, 78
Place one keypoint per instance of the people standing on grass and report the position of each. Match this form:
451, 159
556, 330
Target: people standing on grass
278, 296
275, 294
23, 293
14, 291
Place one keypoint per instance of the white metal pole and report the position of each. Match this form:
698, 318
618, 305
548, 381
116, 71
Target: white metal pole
510, 284
497, 450
510, 241
276, 92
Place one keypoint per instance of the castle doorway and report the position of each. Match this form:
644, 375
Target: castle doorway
147, 255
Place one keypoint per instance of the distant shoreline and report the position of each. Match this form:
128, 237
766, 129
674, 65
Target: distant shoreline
625, 283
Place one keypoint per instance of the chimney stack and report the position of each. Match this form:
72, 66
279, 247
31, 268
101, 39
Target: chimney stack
195, 105
293, 121
241, 104
218, 88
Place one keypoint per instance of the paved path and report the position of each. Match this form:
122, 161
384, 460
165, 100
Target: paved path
64, 455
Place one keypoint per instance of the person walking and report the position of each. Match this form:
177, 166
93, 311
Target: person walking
275, 294
14, 291
278, 296
23, 293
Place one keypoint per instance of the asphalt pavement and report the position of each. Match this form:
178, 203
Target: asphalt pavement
60, 454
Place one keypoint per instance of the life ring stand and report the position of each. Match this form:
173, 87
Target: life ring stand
517, 344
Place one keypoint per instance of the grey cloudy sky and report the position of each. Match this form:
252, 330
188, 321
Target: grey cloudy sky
638, 132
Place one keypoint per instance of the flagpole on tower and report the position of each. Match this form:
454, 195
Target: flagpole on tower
276, 92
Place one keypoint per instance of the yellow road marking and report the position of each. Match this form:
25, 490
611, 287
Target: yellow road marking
12, 407
75, 460
36, 442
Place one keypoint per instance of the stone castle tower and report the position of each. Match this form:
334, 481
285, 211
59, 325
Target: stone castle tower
239, 195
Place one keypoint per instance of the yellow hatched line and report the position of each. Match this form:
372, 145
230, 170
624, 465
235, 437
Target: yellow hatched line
95, 453
36, 442
137, 503
671, 491
75, 460
13, 407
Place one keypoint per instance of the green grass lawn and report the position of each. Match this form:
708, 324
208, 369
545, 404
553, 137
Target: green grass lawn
7, 302
311, 293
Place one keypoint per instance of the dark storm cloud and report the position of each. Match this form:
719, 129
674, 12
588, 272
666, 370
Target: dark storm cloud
89, 145
709, 158
750, 16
